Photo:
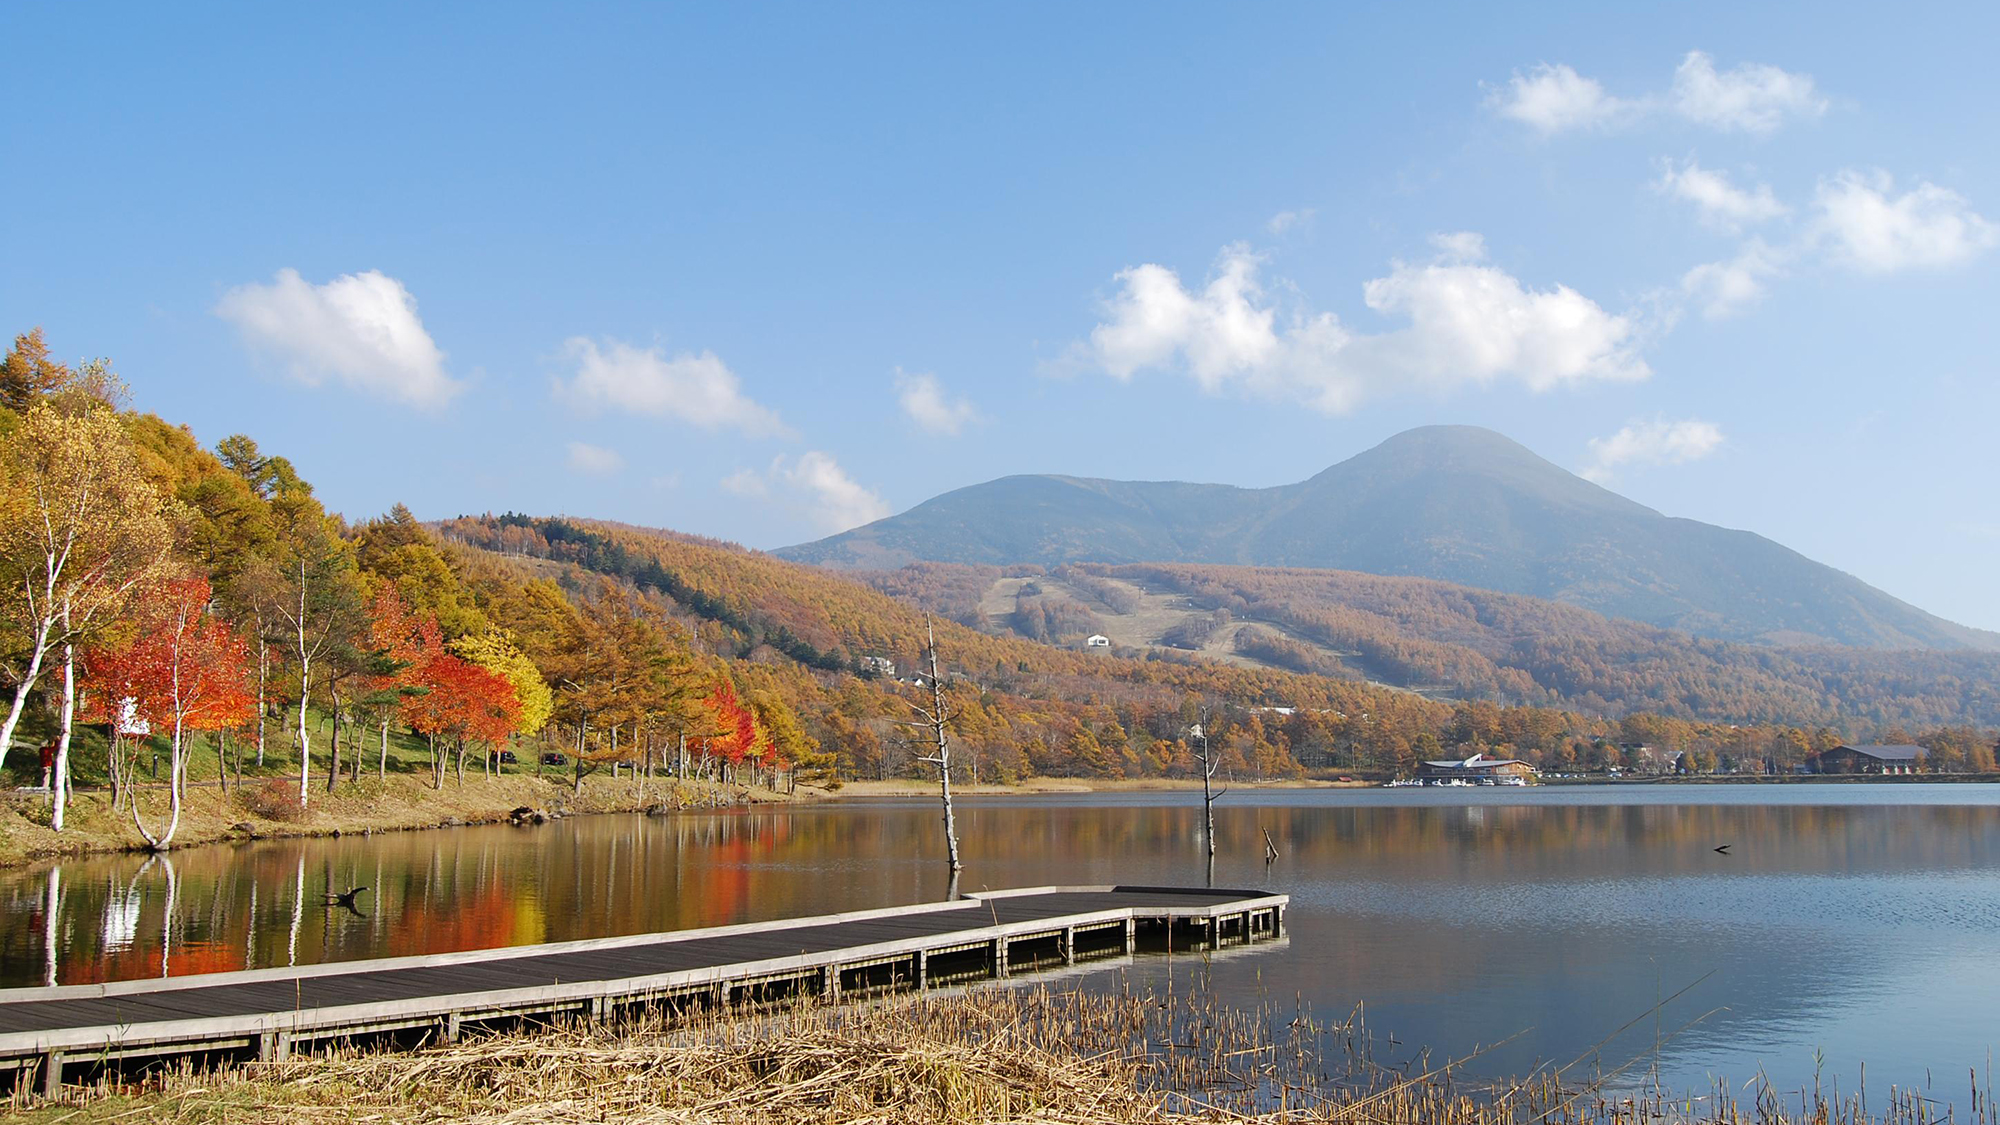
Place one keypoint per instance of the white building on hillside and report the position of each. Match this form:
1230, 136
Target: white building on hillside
1097, 640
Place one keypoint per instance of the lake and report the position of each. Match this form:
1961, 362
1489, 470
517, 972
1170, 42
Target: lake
1858, 922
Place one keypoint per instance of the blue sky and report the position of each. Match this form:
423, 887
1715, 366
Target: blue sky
761, 272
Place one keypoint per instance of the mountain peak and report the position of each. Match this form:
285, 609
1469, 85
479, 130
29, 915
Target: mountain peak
1465, 447
1463, 504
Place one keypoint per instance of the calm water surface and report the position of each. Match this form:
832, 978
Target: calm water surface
1862, 922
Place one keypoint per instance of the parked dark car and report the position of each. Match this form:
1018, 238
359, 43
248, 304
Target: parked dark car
554, 759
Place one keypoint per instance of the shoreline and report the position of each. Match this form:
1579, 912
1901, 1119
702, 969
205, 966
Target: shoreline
904, 787
406, 803
399, 803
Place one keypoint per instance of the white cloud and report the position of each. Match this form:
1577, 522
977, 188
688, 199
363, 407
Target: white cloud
1657, 442
1728, 287
814, 485
1720, 203
1871, 228
587, 458
1553, 99
360, 328
1286, 220
1857, 220
1466, 322
695, 388
1752, 98
747, 483
925, 402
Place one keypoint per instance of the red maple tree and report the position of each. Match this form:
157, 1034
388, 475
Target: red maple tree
187, 673
458, 702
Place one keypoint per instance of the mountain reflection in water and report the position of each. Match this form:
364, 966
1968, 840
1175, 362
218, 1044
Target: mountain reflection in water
1859, 920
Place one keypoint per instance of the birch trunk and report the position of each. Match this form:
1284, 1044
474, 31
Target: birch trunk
59, 779
22, 689
160, 842
305, 692
263, 672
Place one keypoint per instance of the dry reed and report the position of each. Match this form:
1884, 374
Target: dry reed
985, 1055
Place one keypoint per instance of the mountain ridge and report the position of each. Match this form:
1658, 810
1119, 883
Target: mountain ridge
1462, 504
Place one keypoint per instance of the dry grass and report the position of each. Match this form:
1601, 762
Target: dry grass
400, 801
990, 1055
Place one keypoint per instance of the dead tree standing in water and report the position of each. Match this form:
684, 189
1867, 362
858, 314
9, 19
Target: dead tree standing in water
1209, 796
935, 723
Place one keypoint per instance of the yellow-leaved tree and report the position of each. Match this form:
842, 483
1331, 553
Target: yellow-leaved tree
81, 528
495, 653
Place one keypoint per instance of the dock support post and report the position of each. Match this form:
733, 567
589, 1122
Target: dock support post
1277, 921
1131, 936
718, 995
1243, 927
923, 970
1000, 958
829, 985
281, 1047
267, 1046
1069, 945
52, 1064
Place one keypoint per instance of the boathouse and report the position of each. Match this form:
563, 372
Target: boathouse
1869, 759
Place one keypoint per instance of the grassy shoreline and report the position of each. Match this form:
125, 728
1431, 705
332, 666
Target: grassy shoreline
399, 802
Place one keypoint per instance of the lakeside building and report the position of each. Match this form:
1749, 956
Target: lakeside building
1478, 769
1640, 758
880, 665
1097, 640
1868, 759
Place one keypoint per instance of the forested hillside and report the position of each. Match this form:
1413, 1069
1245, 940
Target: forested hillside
1455, 503
1035, 708
1460, 642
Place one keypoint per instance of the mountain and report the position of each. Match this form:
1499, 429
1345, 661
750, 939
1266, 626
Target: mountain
1456, 503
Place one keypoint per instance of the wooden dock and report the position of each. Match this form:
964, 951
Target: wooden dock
266, 1013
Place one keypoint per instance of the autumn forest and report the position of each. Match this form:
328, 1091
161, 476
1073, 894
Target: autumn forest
179, 614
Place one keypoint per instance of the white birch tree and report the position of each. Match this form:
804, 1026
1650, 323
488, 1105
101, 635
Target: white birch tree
81, 528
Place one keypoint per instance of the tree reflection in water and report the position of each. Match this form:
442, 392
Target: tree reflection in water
1456, 918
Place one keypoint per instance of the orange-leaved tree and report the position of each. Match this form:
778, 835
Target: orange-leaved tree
736, 737
188, 672
395, 647
460, 702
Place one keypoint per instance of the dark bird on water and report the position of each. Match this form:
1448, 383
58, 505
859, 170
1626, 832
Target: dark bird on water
346, 899
1723, 849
